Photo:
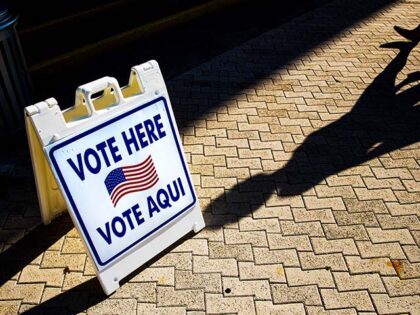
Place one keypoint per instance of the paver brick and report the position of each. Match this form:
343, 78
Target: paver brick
208, 140
361, 170
304, 228
356, 232
348, 282
191, 299
194, 149
299, 242
271, 145
287, 257
140, 291
53, 259
324, 246
307, 294
406, 197
323, 191
272, 272
281, 212
249, 134
358, 265
266, 307
255, 238
412, 252
33, 274
391, 305
216, 160
405, 269
160, 275
29, 293
291, 201
355, 205
397, 287
180, 261
338, 180
283, 128
410, 222
73, 279
73, 245
209, 192
391, 250
401, 236
264, 154
322, 215
235, 143
120, 306
321, 277
401, 173
397, 209
210, 282
334, 203
250, 224
212, 235
241, 252
202, 169
238, 172
364, 218
392, 183
252, 163
219, 127
319, 310
218, 304
197, 246
372, 194
208, 181
334, 262
398, 163
9, 307
411, 185
249, 110
357, 299
226, 266
151, 309
258, 288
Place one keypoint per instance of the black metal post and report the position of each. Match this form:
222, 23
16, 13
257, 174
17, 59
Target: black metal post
15, 87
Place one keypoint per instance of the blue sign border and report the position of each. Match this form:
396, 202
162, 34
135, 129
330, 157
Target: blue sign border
70, 197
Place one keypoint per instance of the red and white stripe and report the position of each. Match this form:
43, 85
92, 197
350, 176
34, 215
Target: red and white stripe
138, 178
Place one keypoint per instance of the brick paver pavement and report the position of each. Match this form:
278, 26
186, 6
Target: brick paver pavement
304, 148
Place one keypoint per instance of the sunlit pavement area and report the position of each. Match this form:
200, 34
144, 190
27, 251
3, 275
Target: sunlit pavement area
304, 147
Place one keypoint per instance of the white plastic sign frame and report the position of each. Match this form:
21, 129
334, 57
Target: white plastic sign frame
121, 170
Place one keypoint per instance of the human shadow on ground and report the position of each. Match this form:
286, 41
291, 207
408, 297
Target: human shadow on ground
383, 119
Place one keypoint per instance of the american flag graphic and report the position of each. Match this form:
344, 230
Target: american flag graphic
128, 179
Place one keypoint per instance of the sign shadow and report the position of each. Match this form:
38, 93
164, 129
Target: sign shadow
89, 293
33, 244
386, 117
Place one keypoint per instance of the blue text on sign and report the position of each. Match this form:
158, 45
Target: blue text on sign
107, 152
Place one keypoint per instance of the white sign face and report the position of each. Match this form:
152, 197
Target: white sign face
124, 179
